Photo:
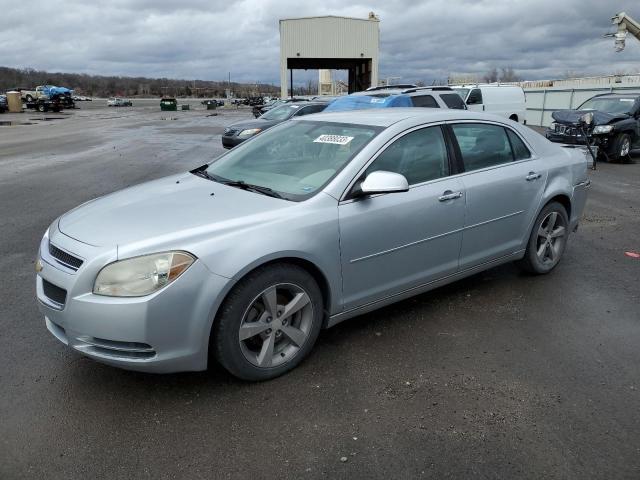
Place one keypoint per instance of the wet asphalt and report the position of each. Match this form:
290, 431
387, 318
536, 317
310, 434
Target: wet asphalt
501, 375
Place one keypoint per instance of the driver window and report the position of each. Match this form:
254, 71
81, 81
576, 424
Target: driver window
420, 156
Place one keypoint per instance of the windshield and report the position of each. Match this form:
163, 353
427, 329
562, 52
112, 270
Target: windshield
609, 105
281, 112
295, 159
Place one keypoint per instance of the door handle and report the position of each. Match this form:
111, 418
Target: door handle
533, 176
449, 195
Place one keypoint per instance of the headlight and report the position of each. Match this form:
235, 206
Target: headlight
249, 132
602, 129
139, 276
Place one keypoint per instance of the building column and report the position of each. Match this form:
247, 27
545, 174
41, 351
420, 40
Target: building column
374, 72
284, 91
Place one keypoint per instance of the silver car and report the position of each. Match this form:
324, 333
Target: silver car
244, 260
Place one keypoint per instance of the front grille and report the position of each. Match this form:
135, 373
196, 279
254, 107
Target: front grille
54, 293
566, 130
68, 260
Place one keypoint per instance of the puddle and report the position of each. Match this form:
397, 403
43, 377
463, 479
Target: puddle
46, 119
5, 123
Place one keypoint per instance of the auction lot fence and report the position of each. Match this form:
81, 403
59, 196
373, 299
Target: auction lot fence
545, 97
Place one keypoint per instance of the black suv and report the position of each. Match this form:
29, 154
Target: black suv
615, 129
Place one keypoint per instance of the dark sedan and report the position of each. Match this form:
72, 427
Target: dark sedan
239, 132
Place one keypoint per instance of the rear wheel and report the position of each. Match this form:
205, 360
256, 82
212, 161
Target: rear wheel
29, 98
269, 323
42, 107
547, 241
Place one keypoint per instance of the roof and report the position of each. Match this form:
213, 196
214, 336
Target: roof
330, 16
386, 117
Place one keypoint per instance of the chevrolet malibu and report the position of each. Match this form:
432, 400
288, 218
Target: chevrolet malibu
245, 259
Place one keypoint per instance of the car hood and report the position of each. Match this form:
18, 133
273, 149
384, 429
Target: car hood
257, 123
573, 116
171, 207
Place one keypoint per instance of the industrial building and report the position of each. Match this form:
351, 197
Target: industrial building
330, 42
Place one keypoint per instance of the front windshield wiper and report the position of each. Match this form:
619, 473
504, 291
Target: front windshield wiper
253, 188
202, 172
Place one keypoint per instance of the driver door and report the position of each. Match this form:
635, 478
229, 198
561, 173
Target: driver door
397, 241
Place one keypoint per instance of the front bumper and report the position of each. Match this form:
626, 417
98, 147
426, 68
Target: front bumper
566, 139
230, 142
167, 331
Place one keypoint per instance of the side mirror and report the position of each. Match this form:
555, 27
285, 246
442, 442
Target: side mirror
587, 119
383, 182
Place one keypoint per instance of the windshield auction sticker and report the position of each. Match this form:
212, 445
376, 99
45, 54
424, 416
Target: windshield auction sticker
335, 139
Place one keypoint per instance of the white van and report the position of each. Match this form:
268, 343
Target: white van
505, 100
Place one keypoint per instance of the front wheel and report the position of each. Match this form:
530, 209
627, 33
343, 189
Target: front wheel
268, 323
621, 147
547, 241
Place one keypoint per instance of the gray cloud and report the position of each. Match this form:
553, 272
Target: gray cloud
423, 40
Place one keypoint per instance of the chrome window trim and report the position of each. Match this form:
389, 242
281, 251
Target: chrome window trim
381, 150
343, 200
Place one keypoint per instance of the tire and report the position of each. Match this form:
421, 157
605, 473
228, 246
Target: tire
41, 107
546, 245
29, 98
621, 148
254, 337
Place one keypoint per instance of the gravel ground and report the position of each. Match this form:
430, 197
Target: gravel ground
500, 375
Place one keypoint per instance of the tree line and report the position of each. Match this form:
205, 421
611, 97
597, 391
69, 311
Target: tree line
109, 86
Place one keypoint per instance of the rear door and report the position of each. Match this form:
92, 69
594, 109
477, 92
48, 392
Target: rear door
393, 242
504, 183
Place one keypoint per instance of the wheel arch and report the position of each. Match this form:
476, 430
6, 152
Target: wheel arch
514, 117
318, 274
563, 199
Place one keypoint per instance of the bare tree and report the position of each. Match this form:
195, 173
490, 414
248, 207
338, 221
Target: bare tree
508, 74
491, 76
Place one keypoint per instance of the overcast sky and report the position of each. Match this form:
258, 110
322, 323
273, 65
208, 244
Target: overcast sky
205, 39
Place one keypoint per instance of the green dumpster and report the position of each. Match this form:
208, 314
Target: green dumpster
168, 104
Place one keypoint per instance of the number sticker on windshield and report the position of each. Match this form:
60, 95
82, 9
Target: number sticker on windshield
335, 139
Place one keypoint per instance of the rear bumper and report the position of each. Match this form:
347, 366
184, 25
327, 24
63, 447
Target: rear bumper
578, 202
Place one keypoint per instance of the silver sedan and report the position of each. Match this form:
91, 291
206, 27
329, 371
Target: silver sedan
244, 260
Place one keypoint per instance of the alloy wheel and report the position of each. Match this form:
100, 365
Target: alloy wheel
625, 147
551, 238
276, 325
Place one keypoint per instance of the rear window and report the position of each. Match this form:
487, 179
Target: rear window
520, 151
453, 100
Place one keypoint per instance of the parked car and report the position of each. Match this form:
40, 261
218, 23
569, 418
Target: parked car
261, 110
504, 100
239, 132
615, 130
315, 221
169, 104
387, 97
3, 104
119, 102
